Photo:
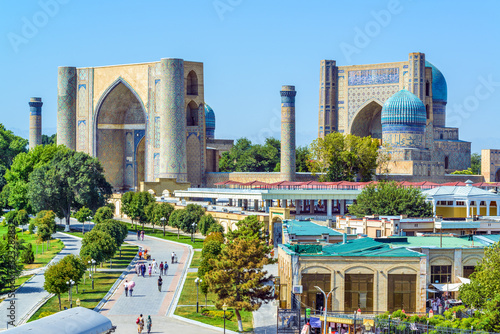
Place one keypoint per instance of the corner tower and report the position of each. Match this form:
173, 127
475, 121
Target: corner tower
287, 133
66, 107
35, 122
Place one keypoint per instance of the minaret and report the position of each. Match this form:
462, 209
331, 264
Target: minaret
288, 133
416, 62
173, 160
35, 122
66, 107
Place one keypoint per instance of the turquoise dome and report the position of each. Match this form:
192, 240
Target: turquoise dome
439, 87
403, 108
209, 121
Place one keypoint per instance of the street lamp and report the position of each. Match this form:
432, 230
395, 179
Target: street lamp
70, 284
92, 281
163, 221
197, 281
355, 312
91, 263
224, 307
326, 301
192, 232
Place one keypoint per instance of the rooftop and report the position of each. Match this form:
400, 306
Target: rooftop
306, 227
429, 242
488, 239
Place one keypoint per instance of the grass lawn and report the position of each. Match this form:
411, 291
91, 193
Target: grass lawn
168, 235
41, 260
103, 281
188, 297
195, 263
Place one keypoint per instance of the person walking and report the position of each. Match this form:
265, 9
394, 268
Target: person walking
142, 235
131, 286
155, 266
143, 270
160, 282
173, 257
138, 235
149, 323
125, 285
140, 324
165, 268
161, 268
149, 270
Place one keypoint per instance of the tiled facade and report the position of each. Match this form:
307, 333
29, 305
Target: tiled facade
35, 122
351, 100
115, 113
287, 162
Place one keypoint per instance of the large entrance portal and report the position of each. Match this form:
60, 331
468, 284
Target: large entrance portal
368, 122
120, 143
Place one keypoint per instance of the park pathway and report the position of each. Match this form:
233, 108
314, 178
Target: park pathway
146, 299
32, 292
264, 319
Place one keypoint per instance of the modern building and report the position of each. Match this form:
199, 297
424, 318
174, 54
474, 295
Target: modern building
401, 103
375, 275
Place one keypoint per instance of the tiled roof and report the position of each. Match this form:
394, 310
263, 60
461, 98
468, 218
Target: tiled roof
306, 227
459, 191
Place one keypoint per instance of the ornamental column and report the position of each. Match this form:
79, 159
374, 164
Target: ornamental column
287, 133
173, 161
66, 107
35, 122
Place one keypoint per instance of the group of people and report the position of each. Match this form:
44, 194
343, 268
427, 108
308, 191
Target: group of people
140, 235
140, 324
438, 305
152, 268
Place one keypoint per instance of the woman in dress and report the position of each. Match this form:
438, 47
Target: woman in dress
149, 323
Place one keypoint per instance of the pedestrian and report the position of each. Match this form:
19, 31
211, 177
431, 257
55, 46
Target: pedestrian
142, 235
161, 268
149, 270
138, 235
143, 270
125, 285
155, 266
165, 268
173, 256
149, 323
140, 324
137, 268
160, 282
140, 254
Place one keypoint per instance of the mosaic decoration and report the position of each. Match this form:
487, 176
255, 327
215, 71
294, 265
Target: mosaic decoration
173, 123
358, 96
157, 132
156, 159
287, 163
82, 138
66, 107
373, 77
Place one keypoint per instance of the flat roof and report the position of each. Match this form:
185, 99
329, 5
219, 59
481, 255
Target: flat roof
487, 239
306, 227
430, 242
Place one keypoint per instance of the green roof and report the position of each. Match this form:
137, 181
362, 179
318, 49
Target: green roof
487, 239
306, 227
430, 242
364, 247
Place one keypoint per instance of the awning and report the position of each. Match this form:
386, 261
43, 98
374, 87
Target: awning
464, 280
449, 287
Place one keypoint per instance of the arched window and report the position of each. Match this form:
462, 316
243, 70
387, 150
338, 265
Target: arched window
427, 88
192, 114
427, 111
192, 84
440, 136
445, 162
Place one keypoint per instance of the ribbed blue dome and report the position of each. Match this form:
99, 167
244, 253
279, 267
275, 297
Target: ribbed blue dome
209, 121
439, 87
403, 108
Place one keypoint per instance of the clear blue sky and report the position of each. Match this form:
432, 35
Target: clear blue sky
250, 48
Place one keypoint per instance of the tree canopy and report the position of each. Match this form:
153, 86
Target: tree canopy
237, 276
116, 229
103, 213
340, 157
98, 245
68, 182
46, 224
83, 214
391, 199
10, 265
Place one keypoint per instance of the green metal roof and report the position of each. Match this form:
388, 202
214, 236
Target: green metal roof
487, 239
364, 247
306, 227
432, 242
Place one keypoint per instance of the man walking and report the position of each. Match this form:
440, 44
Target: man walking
155, 265
161, 268
160, 282
165, 268
173, 257
125, 285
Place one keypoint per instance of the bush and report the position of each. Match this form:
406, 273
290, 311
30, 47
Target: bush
217, 314
31, 227
27, 255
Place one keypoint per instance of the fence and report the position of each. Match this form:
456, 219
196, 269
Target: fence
394, 326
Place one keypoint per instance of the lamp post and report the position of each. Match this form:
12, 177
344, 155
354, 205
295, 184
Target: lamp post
70, 284
326, 301
390, 323
355, 312
192, 232
224, 308
163, 221
90, 276
197, 281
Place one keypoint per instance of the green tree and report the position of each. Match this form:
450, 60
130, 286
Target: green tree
22, 218
238, 278
162, 213
391, 199
10, 146
467, 171
45, 221
206, 223
15, 192
115, 228
10, 217
247, 157
68, 268
70, 181
102, 214
126, 207
137, 208
340, 157
27, 254
49, 140
475, 162
10, 264
179, 220
83, 215
302, 159
212, 247
149, 210
98, 245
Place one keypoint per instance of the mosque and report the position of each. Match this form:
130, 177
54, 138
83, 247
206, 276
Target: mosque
150, 127
403, 104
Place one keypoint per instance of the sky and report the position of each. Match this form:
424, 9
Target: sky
250, 49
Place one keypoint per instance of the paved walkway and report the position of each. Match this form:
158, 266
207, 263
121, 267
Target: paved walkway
264, 319
32, 292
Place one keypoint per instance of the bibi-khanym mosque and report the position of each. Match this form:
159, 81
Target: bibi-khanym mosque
150, 127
